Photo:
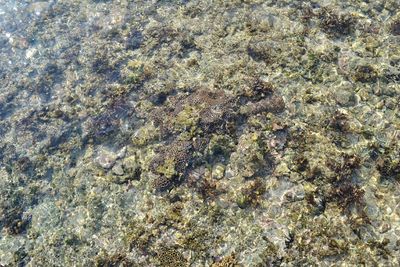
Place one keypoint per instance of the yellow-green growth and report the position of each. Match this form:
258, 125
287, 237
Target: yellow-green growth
135, 71
168, 168
187, 119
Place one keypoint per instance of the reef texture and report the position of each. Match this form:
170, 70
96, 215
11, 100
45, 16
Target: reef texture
200, 133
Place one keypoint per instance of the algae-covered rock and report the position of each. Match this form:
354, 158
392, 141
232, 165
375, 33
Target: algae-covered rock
365, 73
228, 261
251, 157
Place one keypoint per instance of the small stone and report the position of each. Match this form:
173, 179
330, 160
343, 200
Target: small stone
218, 171
395, 27
384, 227
131, 162
345, 98
31, 52
19, 42
106, 159
118, 169
38, 8
121, 154
132, 167
243, 201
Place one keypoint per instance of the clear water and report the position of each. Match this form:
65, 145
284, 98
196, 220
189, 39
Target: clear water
199, 133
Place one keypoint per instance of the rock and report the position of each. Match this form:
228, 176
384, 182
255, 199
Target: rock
131, 162
31, 52
38, 8
345, 98
132, 166
218, 171
121, 154
106, 159
118, 169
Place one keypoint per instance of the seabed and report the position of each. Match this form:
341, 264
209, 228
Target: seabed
199, 133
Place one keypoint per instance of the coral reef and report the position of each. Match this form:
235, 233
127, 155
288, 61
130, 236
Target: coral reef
169, 257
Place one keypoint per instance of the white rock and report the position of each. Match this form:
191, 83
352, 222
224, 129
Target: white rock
118, 169
38, 7
106, 159
121, 153
30, 53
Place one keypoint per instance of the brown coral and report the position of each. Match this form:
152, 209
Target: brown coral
161, 183
119, 260
171, 257
206, 113
228, 261
213, 109
178, 154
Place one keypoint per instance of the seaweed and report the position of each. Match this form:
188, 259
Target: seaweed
173, 159
388, 164
395, 27
207, 188
335, 24
347, 194
251, 194
365, 74
259, 89
108, 122
159, 99
340, 122
14, 221
134, 40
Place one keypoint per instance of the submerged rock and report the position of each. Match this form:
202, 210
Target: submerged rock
106, 159
117, 169
38, 8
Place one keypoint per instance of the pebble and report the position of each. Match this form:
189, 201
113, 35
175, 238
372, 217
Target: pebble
31, 52
344, 98
218, 171
19, 42
106, 159
121, 154
118, 169
38, 7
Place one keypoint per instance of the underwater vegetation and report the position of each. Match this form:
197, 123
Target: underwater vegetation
335, 24
199, 133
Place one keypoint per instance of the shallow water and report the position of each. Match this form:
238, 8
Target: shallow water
199, 133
